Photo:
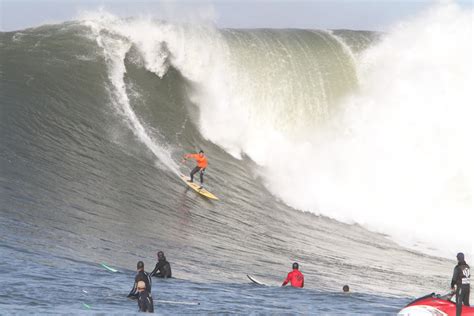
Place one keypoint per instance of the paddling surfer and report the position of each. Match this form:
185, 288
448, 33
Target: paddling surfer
201, 166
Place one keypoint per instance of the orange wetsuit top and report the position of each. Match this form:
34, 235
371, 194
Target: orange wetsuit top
201, 161
295, 277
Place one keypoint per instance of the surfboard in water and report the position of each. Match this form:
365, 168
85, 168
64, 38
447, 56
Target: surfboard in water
254, 280
108, 268
196, 188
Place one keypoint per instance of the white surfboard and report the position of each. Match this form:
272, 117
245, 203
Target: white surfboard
254, 280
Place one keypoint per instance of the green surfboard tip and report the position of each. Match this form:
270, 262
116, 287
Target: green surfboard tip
108, 268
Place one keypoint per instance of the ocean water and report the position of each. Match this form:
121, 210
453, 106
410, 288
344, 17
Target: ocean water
346, 151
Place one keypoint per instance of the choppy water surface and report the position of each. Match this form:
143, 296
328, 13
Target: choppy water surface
95, 116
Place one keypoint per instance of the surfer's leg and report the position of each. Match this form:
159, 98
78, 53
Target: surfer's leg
458, 302
201, 174
466, 292
196, 169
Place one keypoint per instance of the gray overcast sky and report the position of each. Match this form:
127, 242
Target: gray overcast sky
314, 14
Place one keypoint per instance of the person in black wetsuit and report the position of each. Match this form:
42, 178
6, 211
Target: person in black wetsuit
140, 276
145, 301
163, 266
461, 279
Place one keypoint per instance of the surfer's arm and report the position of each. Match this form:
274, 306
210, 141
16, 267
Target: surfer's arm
186, 157
455, 277
133, 291
154, 270
193, 156
286, 281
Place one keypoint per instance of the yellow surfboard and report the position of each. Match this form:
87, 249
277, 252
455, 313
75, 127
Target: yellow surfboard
196, 186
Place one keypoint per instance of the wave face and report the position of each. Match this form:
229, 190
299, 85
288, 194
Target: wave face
375, 136
349, 125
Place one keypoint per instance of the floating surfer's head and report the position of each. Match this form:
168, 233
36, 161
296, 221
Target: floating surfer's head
141, 286
460, 257
161, 255
296, 266
201, 153
345, 288
140, 265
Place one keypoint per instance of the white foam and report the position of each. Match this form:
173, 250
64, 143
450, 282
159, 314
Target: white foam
399, 160
404, 164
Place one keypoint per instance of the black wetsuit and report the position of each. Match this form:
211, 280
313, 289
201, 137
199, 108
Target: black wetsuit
461, 278
145, 302
164, 268
141, 276
201, 174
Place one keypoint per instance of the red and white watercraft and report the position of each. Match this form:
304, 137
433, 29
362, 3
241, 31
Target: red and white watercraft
434, 305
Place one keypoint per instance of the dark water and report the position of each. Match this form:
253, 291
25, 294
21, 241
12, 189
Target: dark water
51, 284
79, 188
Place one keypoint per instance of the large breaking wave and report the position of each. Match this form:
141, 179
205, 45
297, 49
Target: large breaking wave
362, 129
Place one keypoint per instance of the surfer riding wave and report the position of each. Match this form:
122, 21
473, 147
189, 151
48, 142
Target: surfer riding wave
201, 166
